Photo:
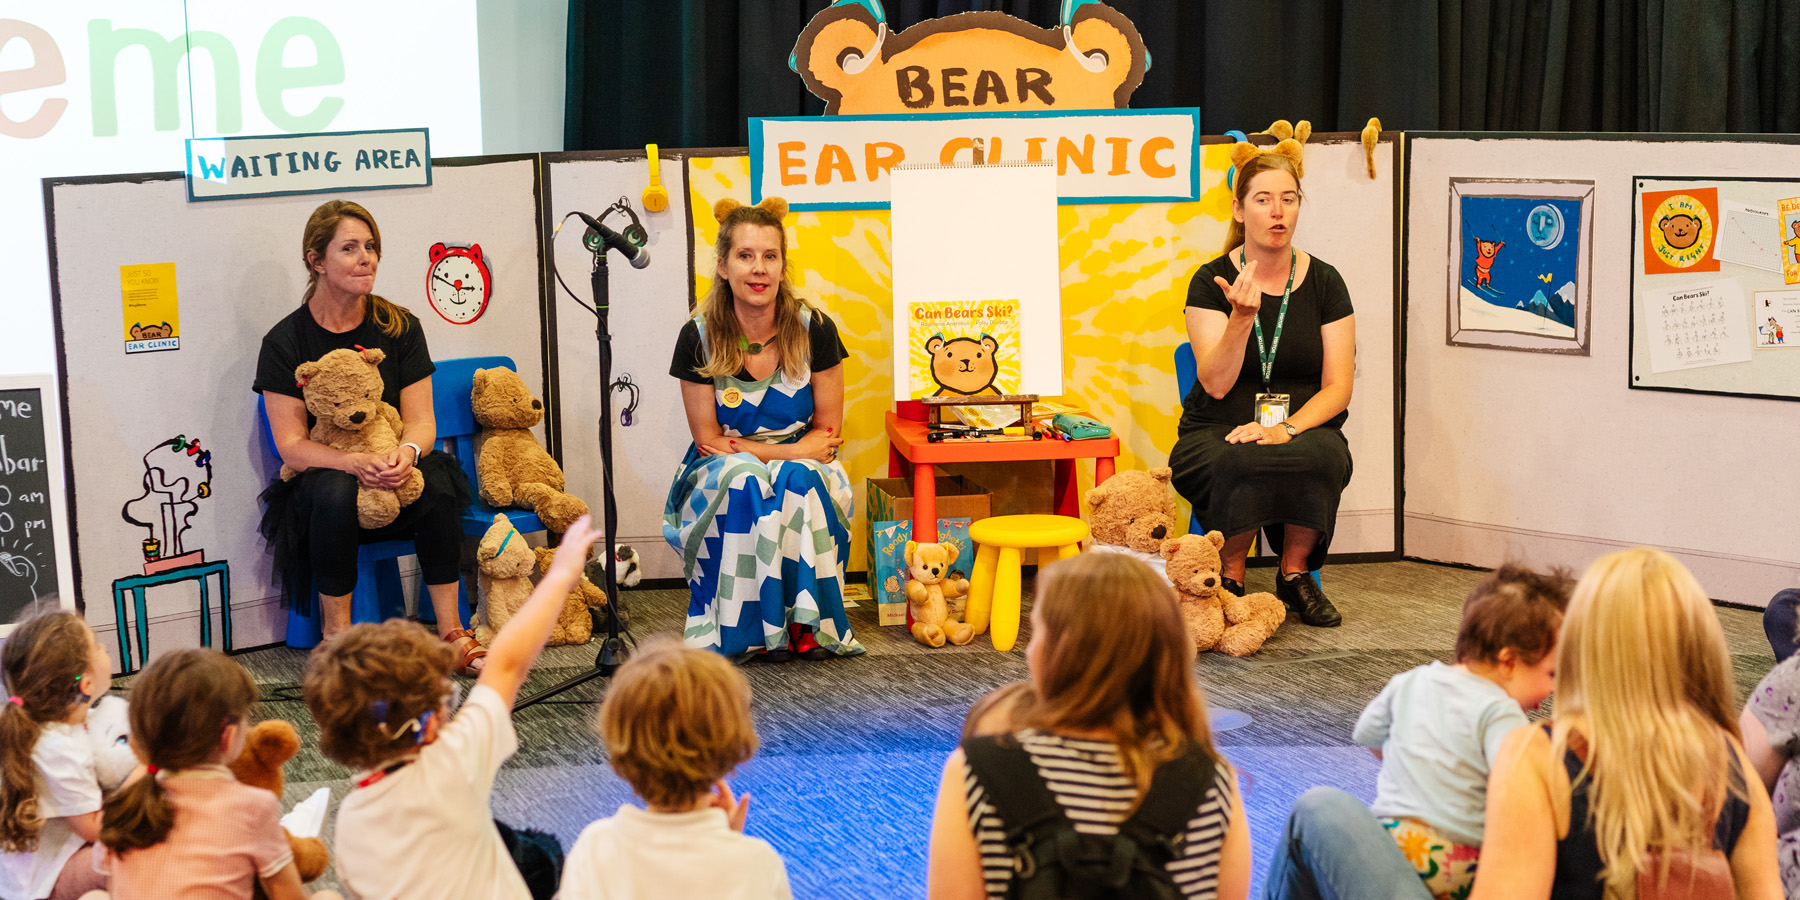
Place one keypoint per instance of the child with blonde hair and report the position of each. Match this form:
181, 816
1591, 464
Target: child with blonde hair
417, 823
49, 793
186, 827
675, 722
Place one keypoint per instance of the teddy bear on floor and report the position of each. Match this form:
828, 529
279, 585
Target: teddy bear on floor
1218, 619
574, 625
343, 392
505, 563
268, 746
928, 583
513, 470
1133, 512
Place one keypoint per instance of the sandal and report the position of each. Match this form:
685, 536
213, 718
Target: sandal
466, 667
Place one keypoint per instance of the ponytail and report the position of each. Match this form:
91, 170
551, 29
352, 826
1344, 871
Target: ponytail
136, 816
42, 661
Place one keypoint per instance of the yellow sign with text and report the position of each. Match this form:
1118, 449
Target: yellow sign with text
152, 312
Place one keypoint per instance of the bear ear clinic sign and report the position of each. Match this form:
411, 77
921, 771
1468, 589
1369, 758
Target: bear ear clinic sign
229, 168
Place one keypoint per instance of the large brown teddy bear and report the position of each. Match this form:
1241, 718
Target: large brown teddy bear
505, 563
1218, 619
267, 748
1133, 512
513, 470
928, 584
574, 625
343, 392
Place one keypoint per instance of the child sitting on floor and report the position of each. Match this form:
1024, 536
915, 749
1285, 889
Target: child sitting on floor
675, 723
1436, 728
49, 793
417, 823
185, 827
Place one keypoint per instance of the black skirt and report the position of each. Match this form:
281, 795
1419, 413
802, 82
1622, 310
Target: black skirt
1239, 488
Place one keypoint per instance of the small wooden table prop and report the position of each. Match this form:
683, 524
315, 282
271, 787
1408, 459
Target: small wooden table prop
935, 405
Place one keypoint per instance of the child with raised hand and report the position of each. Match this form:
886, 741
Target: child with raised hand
49, 795
185, 827
1437, 729
676, 721
417, 823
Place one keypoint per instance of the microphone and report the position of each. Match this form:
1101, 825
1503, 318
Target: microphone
637, 256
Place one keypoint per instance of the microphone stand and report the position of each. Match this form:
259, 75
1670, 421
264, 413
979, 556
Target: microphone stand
612, 648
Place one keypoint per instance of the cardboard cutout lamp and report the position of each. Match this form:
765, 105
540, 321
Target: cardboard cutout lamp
969, 62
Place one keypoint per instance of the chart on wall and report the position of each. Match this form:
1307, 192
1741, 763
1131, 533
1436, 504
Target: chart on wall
1714, 267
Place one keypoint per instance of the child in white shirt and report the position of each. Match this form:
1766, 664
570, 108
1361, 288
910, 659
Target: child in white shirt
1436, 728
675, 723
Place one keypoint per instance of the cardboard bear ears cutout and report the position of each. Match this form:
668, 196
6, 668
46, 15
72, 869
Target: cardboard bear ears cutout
980, 61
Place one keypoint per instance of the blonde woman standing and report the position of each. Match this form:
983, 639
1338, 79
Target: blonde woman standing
1643, 762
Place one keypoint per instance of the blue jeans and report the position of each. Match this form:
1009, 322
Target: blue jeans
1334, 849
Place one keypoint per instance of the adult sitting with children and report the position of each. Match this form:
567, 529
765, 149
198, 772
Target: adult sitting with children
759, 511
1260, 445
311, 521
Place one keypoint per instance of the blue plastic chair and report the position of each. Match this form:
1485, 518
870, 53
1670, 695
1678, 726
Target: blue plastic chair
451, 387
1186, 373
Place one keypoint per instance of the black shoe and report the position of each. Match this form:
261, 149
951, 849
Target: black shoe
777, 655
1301, 595
1231, 585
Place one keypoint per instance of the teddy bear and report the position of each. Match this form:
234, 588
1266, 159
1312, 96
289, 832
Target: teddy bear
1679, 231
109, 731
1133, 512
574, 625
513, 470
343, 393
1218, 619
268, 746
964, 367
929, 582
505, 564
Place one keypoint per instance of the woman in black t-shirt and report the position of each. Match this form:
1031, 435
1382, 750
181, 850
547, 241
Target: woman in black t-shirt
1267, 319
311, 521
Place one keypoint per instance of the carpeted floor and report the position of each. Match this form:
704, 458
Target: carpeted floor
851, 748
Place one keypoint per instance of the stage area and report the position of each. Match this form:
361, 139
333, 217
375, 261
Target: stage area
851, 748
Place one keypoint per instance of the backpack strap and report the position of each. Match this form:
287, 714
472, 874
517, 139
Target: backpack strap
1177, 789
1012, 784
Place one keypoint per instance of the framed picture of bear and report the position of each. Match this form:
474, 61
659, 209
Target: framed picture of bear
1521, 257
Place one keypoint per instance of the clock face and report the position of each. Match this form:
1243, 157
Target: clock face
457, 283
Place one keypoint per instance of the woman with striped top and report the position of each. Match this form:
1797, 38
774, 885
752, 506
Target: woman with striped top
1114, 697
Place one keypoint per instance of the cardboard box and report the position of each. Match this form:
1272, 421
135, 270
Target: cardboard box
890, 507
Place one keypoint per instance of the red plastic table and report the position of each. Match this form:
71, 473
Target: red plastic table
911, 455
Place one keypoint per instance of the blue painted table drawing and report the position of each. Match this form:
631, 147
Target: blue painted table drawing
138, 584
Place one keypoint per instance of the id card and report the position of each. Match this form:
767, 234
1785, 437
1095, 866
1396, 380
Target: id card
1271, 409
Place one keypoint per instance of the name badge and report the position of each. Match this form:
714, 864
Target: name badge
1271, 409
731, 397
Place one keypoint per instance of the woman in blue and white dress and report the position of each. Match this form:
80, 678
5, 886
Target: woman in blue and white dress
760, 509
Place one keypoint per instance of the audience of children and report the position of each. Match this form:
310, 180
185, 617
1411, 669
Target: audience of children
675, 723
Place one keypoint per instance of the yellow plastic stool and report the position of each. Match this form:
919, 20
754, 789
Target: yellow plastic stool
994, 586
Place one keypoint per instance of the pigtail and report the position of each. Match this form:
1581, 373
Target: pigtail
136, 816
19, 819
42, 661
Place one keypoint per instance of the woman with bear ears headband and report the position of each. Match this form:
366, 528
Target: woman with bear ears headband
1274, 339
762, 384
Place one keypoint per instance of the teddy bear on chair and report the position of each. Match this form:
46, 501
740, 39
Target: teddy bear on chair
929, 583
513, 470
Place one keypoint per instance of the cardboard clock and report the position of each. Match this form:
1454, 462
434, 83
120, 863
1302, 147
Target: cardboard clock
458, 283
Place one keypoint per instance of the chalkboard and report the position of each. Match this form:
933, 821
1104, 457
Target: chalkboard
33, 561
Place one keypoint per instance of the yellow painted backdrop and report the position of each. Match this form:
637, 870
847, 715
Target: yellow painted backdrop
1125, 272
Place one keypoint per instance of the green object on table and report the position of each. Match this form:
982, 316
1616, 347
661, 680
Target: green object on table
1080, 427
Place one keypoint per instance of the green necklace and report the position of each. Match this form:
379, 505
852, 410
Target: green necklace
752, 349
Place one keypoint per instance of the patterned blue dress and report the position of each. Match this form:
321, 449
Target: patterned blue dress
762, 544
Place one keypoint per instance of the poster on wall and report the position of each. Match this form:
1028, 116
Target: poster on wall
1521, 256
1697, 325
1789, 210
1776, 315
1680, 230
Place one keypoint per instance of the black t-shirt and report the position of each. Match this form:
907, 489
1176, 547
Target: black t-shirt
1300, 358
299, 339
827, 350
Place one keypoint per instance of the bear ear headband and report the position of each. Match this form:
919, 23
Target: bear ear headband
774, 206
1290, 140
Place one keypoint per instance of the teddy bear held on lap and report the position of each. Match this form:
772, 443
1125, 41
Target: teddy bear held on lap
343, 392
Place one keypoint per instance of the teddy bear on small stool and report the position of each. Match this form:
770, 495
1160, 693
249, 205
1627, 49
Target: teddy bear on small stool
513, 470
928, 585
1133, 512
1218, 619
343, 392
268, 747
505, 563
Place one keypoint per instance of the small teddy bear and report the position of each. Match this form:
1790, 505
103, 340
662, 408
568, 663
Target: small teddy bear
1133, 512
268, 747
929, 582
343, 393
506, 564
574, 625
109, 730
1218, 619
513, 470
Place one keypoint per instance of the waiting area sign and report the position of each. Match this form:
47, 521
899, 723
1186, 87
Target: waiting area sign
278, 165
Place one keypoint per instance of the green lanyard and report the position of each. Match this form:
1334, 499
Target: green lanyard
1268, 355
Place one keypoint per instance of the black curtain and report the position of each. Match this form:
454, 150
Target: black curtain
688, 73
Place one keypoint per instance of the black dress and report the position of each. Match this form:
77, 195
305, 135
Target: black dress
1237, 488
